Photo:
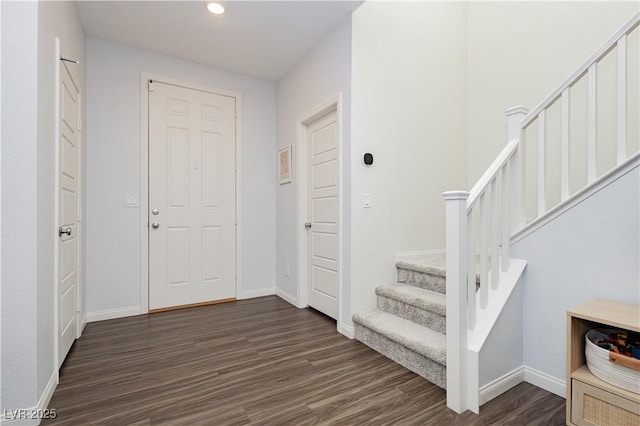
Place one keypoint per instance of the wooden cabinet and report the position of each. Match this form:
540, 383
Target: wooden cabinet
591, 401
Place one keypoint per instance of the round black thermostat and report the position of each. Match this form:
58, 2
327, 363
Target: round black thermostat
368, 158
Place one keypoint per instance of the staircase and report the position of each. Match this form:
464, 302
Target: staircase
508, 201
409, 323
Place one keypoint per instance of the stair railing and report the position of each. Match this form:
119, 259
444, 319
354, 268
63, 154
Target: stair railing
617, 44
495, 208
485, 211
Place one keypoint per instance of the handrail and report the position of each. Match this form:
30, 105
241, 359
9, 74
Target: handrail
492, 172
628, 26
480, 224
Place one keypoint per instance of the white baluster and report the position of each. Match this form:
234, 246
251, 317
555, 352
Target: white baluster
495, 274
592, 123
542, 126
622, 99
515, 131
564, 149
504, 225
471, 273
456, 302
484, 261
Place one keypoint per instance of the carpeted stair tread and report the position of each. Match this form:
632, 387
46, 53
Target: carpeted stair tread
419, 297
436, 267
415, 337
424, 268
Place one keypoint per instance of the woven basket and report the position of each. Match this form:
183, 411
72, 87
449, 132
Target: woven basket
600, 366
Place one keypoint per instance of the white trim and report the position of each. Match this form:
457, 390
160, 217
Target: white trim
501, 385
545, 381
287, 297
420, 255
334, 103
108, 314
56, 204
605, 180
261, 292
43, 403
144, 180
83, 324
347, 330
80, 220
45, 398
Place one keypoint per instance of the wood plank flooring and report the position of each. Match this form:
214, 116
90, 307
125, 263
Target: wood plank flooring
259, 361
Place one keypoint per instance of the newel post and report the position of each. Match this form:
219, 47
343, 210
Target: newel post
516, 166
456, 288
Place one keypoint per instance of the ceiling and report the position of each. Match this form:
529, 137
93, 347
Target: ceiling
263, 39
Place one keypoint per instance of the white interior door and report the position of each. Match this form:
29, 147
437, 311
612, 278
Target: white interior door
323, 206
67, 214
192, 191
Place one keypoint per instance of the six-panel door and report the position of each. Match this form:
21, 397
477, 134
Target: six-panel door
192, 187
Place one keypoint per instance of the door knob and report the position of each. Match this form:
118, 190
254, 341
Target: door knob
307, 225
62, 231
155, 225
155, 212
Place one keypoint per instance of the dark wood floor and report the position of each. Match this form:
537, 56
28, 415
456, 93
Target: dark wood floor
258, 361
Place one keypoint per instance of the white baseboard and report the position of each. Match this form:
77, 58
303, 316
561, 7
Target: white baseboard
287, 297
416, 256
545, 381
113, 313
347, 330
23, 417
261, 292
501, 385
83, 324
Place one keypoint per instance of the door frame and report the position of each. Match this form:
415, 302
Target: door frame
81, 321
334, 103
144, 179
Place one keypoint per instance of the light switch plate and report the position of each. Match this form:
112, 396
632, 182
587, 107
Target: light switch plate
366, 200
131, 200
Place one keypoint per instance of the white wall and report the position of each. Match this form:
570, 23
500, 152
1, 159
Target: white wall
561, 274
19, 205
55, 19
409, 110
324, 72
502, 351
28, 175
519, 52
113, 169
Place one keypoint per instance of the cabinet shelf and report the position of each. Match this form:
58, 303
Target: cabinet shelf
584, 390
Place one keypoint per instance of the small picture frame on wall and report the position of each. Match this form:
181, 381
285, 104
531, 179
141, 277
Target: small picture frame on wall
284, 165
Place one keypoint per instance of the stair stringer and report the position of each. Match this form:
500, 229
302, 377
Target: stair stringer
489, 319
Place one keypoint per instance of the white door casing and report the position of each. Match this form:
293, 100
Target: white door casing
68, 207
323, 248
192, 184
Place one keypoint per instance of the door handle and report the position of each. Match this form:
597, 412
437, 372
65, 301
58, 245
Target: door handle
62, 231
155, 225
307, 225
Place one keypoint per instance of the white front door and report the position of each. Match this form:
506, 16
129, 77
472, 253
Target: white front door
67, 213
323, 206
192, 237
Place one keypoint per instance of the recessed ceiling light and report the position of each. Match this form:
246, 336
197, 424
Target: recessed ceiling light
215, 8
